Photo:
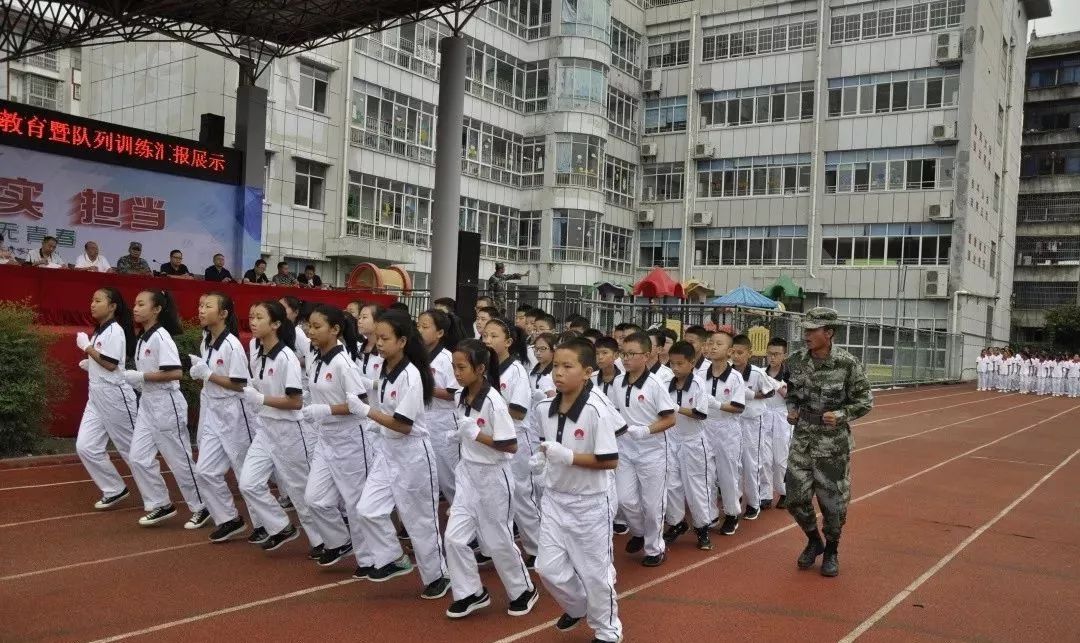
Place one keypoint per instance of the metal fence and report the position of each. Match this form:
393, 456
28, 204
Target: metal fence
892, 355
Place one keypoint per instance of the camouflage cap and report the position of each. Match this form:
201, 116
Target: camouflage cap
820, 317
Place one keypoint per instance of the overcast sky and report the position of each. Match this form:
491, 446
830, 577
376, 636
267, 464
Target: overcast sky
1065, 17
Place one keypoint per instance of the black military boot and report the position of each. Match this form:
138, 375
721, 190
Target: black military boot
814, 548
830, 564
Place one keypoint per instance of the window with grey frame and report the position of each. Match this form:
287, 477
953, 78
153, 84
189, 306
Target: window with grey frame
668, 50
578, 160
536, 86
1050, 250
529, 19
622, 115
659, 247
574, 235
783, 245
758, 105
490, 152
1061, 207
662, 181
916, 17
739, 41
886, 244
754, 176
619, 183
898, 91
664, 115
1040, 295
625, 48
616, 249
309, 184
580, 83
927, 167
587, 18
313, 86
389, 210
392, 122
532, 161
497, 225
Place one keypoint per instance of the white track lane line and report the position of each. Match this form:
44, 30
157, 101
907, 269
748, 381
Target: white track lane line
947, 558
55, 484
630, 592
938, 428
923, 399
858, 423
65, 517
87, 563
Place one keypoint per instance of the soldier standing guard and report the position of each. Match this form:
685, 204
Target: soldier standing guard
827, 389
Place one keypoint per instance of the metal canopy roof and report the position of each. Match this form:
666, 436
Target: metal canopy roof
257, 30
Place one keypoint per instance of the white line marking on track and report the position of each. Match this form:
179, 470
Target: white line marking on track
54, 484
947, 558
897, 417
923, 399
86, 563
1033, 464
65, 517
938, 428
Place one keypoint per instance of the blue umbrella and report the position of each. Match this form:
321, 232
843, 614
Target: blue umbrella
745, 297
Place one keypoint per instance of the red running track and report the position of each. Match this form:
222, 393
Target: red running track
964, 525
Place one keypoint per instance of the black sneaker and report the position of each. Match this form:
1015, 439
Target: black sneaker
316, 552
676, 530
334, 554
482, 560
107, 502
704, 543
567, 622
399, 567
258, 536
653, 561
363, 571
158, 515
619, 529
635, 544
730, 526
227, 530
474, 544
830, 564
402, 534
280, 538
523, 604
469, 604
517, 534
530, 561
198, 520
765, 504
781, 502
808, 557
286, 503
751, 513
436, 589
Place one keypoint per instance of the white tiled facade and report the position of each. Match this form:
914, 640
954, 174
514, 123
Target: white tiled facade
52, 80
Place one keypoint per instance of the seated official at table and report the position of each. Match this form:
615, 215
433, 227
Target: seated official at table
132, 263
47, 256
176, 268
91, 260
257, 275
309, 278
7, 256
283, 277
218, 272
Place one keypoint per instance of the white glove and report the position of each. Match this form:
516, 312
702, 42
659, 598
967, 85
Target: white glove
638, 432
557, 453
538, 397
538, 462
253, 396
715, 404
85, 365
199, 369
468, 429
357, 406
453, 438
315, 412
82, 340
135, 378
367, 382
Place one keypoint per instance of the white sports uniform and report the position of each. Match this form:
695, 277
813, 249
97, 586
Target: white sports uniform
161, 426
701, 367
110, 410
755, 446
370, 365
440, 421
575, 560
642, 475
1057, 373
725, 433
483, 506
608, 391
773, 470
517, 392
343, 454
404, 475
693, 463
1073, 379
226, 428
982, 368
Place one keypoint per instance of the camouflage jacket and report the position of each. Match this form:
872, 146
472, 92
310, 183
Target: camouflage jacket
838, 384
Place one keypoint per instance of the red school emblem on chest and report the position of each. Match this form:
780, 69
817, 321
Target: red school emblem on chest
641, 398
727, 391
502, 385
393, 394
480, 422
579, 434
375, 366
270, 372
329, 376
220, 362
148, 352
691, 401
97, 345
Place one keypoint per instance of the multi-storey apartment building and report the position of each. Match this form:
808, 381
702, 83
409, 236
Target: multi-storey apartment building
52, 80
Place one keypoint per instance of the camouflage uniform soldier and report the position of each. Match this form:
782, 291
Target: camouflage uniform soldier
828, 389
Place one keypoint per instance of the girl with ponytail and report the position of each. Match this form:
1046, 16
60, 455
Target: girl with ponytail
161, 424
404, 474
440, 332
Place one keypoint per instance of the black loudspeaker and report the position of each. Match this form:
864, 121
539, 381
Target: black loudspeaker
212, 130
468, 276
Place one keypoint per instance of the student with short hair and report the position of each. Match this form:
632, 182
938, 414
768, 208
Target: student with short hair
774, 467
658, 340
726, 389
752, 422
603, 380
696, 336
982, 370
445, 304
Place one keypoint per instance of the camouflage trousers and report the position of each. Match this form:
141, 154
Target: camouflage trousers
819, 467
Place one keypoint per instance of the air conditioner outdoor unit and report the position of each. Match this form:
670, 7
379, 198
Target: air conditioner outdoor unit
935, 284
945, 133
704, 151
651, 81
940, 211
646, 216
648, 194
701, 220
947, 49
648, 149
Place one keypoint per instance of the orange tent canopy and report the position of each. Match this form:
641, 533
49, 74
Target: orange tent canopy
658, 284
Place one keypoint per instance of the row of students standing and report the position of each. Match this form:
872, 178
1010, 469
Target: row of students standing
1027, 372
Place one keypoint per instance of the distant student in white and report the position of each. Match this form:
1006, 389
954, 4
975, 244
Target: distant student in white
579, 448
776, 424
1073, 376
982, 369
1057, 374
752, 422
111, 405
483, 506
161, 426
725, 386
440, 332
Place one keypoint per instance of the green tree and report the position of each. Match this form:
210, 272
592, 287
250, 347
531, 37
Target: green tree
29, 379
1063, 327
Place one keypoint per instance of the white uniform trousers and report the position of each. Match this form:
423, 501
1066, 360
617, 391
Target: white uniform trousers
725, 435
403, 475
575, 560
483, 508
1045, 386
642, 489
284, 448
226, 430
765, 459
526, 494
446, 451
339, 470
675, 492
774, 465
110, 415
1074, 387
693, 465
750, 456
161, 427
982, 381
1059, 385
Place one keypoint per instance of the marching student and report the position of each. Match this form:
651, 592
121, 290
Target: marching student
368, 360
982, 369
658, 356
725, 386
751, 420
285, 443
540, 375
693, 462
578, 449
506, 341
226, 430
483, 506
1057, 375
776, 425
111, 406
1073, 377
343, 454
404, 473
484, 314
161, 424
440, 332
643, 402
607, 351
1026, 373
696, 336
1046, 367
